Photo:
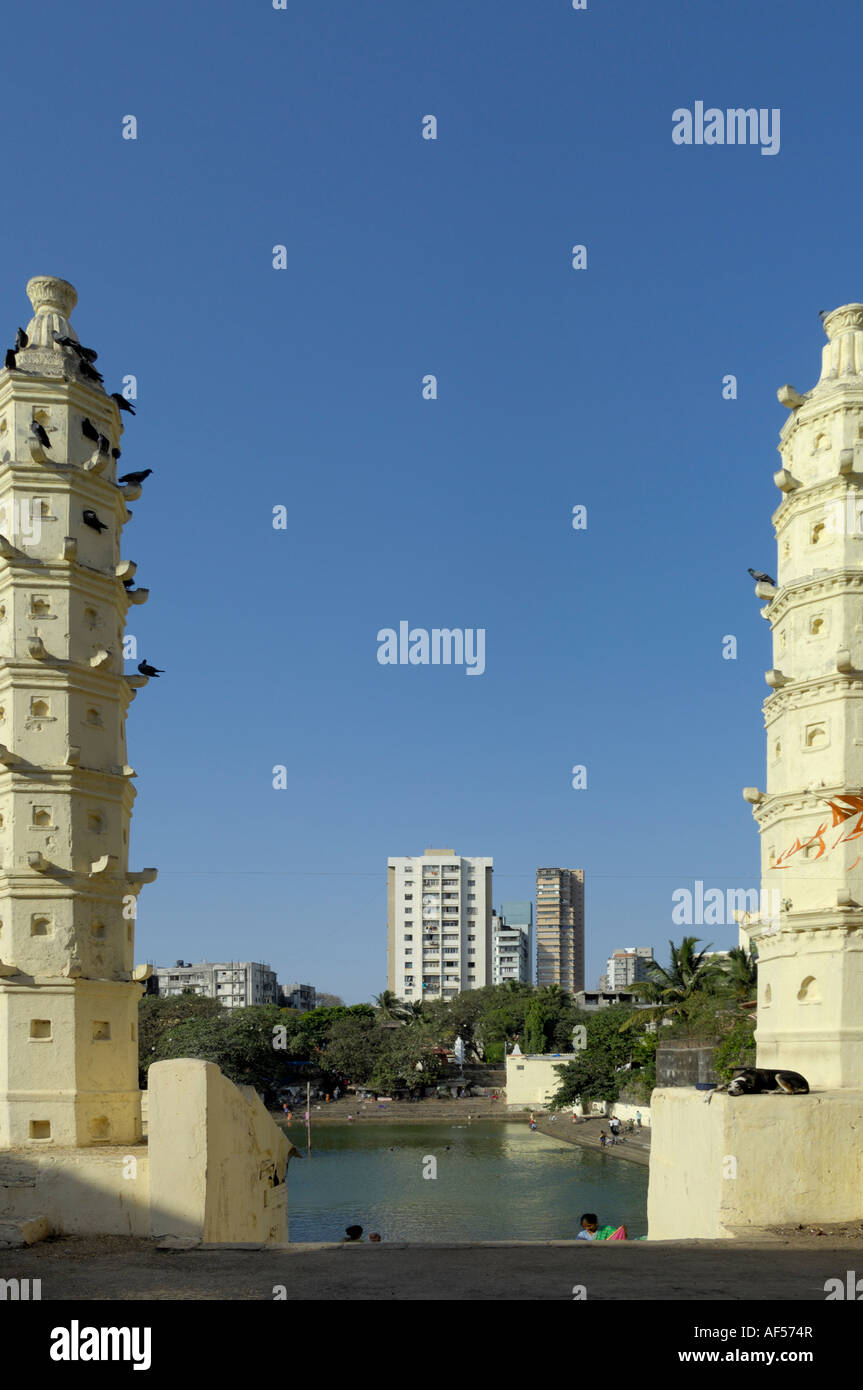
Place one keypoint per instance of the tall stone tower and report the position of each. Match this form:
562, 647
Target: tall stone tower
810, 972
68, 998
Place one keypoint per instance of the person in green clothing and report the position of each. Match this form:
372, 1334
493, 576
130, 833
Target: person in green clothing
591, 1229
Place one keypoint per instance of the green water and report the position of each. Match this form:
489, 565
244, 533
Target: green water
496, 1181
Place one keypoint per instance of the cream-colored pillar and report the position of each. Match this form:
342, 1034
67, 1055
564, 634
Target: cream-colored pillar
810, 817
68, 1002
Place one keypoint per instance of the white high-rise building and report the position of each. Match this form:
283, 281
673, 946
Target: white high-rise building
438, 924
626, 967
510, 950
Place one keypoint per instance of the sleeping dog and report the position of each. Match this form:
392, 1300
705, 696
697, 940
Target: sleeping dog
756, 1080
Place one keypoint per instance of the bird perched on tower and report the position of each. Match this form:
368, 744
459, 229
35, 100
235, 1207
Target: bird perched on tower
11, 363
91, 520
21, 340
147, 670
761, 578
135, 477
89, 373
122, 403
86, 354
40, 433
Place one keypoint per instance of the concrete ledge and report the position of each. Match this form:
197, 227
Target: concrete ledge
743, 1163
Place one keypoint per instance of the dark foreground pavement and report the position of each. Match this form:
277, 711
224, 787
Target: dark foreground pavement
113, 1268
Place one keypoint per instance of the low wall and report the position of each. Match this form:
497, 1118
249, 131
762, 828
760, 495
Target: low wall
217, 1159
87, 1191
737, 1162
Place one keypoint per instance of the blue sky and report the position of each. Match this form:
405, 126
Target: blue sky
302, 387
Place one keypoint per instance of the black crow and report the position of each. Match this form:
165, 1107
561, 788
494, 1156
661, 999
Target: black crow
147, 670
89, 373
86, 354
761, 578
21, 340
122, 403
11, 363
91, 520
89, 431
135, 477
40, 434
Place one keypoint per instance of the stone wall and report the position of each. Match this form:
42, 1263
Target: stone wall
217, 1159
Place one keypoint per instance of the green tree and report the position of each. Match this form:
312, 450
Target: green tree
406, 1059
596, 1071
159, 1014
353, 1048
388, 1004
741, 968
672, 988
737, 1048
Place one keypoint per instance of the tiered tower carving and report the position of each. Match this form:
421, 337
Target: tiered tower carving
810, 973
68, 996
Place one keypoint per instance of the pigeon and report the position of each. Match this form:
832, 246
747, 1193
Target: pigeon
40, 434
21, 340
89, 373
103, 444
147, 670
11, 363
122, 403
128, 583
91, 520
86, 354
89, 430
135, 477
761, 578
822, 314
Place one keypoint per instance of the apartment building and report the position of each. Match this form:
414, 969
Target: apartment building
560, 928
510, 950
438, 924
237, 984
626, 967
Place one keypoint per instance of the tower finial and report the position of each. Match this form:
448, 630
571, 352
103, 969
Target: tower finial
46, 292
53, 301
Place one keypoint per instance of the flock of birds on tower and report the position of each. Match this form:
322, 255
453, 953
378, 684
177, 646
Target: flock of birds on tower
86, 357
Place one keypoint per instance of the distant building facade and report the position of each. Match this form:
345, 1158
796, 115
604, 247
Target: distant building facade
592, 999
236, 984
519, 913
438, 924
560, 928
300, 997
510, 950
626, 967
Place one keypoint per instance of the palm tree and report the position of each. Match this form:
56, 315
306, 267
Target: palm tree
741, 968
412, 1012
389, 1004
689, 973
553, 994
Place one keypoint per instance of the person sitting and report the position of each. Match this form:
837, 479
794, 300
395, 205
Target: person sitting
591, 1230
